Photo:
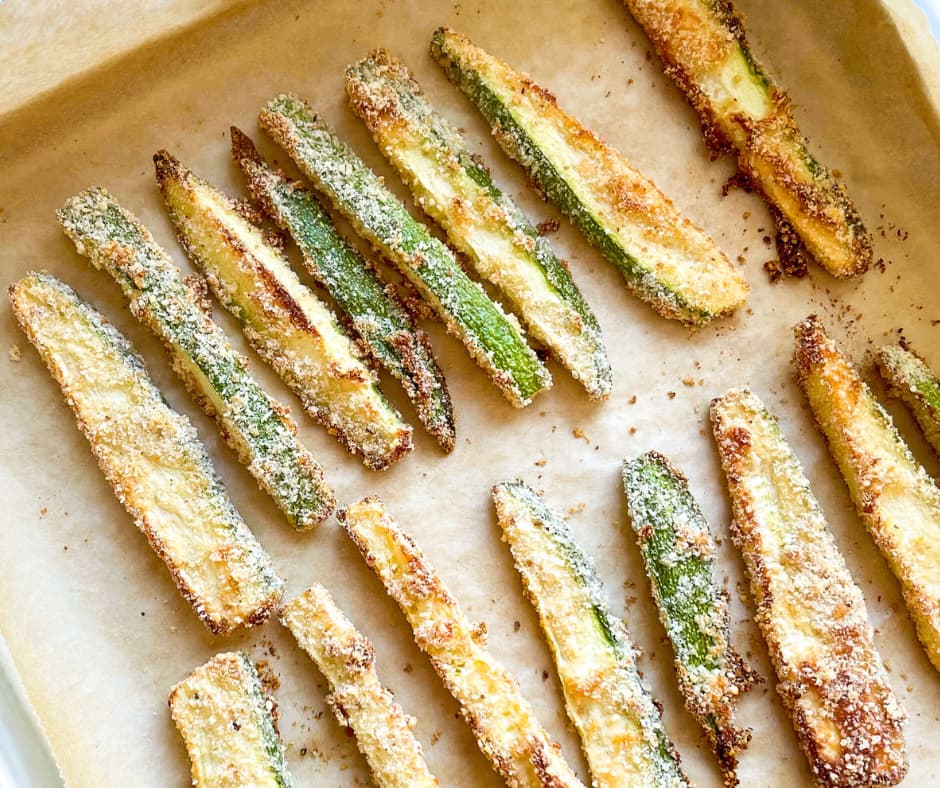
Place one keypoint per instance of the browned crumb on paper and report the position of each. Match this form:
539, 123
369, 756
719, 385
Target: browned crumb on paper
548, 227
579, 433
15, 353
792, 257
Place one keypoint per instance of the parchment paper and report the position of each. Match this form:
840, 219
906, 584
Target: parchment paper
97, 630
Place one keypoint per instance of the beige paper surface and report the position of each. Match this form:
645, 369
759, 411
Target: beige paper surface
92, 619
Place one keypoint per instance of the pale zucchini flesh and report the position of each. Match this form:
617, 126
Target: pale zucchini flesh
916, 385
895, 497
357, 697
668, 261
619, 723
704, 48
809, 609
492, 338
491, 702
227, 725
454, 187
679, 554
151, 456
373, 307
259, 429
285, 322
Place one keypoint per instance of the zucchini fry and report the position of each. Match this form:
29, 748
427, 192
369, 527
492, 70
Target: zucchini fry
490, 700
456, 190
151, 457
285, 322
704, 48
811, 612
895, 497
915, 384
376, 313
667, 261
224, 719
357, 697
258, 429
679, 554
620, 725
493, 339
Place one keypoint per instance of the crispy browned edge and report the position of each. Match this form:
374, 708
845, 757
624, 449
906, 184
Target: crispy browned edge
731, 441
250, 161
808, 196
727, 739
222, 626
168, 167
425, 581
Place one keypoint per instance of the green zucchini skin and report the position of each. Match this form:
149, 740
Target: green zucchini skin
259, 429
679, 555
645, 228
377, 315
493, 339
916, 385
455, 188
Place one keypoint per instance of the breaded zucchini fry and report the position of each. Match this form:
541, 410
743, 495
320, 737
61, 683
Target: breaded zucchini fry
666, 260
493, 339
373, 307
620, 725
490, 700
703, 46
258, 429
916, 385
229, 731
285, 322
679, 554
357, 697
454, 188
151, 457
811, 612
895, 497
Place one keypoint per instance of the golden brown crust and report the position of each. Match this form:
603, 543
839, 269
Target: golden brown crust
895, 497
695, 41
809, 609
490, 700
246, 591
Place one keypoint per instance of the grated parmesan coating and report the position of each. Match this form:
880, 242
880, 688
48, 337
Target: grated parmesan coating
372, 305
493, 339
619, 723
228, 726
704, 50
895, 497
679, 554
285, 322
260, 430
490, 700
915, 384
666, 260
151, 457
453, 186
357, 697
809, 609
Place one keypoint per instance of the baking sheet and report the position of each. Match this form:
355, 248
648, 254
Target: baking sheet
92, 619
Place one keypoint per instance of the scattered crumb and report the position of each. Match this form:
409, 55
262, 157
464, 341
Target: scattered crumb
516, 626
632, 430
43, 511
548, 226
408, 668
435, 737
541, 462
689, 381
671, 394
576, 509
15, 353
269, 680
632, 400
579, 433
